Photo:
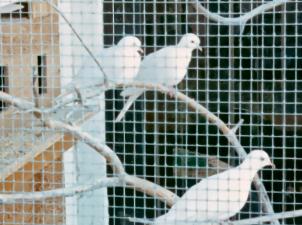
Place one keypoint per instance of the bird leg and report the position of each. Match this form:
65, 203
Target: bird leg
171, 91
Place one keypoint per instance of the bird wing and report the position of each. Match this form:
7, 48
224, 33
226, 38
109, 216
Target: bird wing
161, 67
166, 66
215, 198
121, 64
146, 73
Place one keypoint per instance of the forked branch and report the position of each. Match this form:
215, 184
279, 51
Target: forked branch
241, 20
227, 132
125, 179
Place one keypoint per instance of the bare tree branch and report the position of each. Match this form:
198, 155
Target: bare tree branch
17, 102
104, 150
10, 198
240, 21
129, 181
114, 160
227, 132
268, 218
151, 189
136, 183
212, 118
251, 221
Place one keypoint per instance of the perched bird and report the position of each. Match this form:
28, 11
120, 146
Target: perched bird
119, 62
9, 7
167, 66
218, 197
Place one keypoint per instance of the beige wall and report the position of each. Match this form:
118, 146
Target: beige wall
22, 41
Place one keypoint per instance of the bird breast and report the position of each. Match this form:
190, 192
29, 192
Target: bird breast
176, 66
165, 67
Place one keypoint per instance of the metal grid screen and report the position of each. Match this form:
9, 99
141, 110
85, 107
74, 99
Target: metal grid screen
185, 150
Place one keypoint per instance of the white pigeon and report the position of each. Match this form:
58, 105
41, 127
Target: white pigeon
167, 66
218, 197
119, 62
9, 7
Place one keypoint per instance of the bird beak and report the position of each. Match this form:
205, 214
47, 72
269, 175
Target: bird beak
273, 166
140, 51
200, 48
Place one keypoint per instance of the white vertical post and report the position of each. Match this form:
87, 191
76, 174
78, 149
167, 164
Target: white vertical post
82, 164
70, 179
66, 38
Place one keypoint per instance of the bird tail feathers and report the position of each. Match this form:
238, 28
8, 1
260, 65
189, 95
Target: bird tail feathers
128, 104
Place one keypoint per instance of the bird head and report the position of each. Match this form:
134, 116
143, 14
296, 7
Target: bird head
258, 159
190, 41
132, 42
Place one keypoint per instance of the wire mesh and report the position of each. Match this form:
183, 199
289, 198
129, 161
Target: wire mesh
249, 70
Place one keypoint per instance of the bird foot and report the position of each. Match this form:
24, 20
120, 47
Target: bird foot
171, 92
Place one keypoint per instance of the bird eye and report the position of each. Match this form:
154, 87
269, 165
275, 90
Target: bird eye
192, 41
262, 158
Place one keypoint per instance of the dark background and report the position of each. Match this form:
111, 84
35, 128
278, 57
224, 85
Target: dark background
255, 77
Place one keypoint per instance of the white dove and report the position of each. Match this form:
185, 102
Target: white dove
9, 7
167, 66
218, 197
119, 62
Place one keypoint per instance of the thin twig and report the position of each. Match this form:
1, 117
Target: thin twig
129, 181
236, 127
100, 87
9, 198
36, 93
60, 104
79, 96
